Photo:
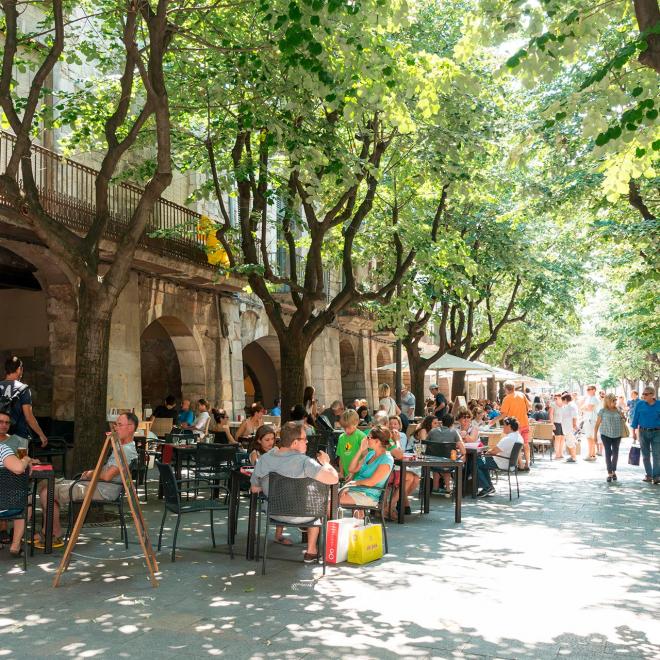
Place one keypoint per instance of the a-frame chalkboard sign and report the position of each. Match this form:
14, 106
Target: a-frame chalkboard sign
112, 442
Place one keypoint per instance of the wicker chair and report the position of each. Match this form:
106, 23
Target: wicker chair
299, 498
174, 505
14, 489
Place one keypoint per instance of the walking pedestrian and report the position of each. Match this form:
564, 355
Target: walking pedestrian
610, 422
646, 425
555, 417
589, 410
569, 416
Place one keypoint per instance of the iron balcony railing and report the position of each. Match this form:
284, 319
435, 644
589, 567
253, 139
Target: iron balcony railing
67, 193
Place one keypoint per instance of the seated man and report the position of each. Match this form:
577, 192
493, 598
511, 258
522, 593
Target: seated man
109, 485
498, 457
186, 416
445, 435
167, 411
333, 413
290, 460
539, 414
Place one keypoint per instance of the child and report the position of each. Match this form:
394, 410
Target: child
349, 441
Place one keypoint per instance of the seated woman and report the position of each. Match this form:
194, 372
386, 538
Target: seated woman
18, 466
262, 443
399, 445
220, 424
372, 466
429, 423
252, 422
467, 429
363, 414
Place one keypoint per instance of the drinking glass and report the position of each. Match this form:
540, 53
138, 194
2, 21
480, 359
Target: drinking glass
21, 453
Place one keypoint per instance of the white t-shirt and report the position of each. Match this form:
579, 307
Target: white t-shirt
200, 421
566, 414
590, 416
505, 445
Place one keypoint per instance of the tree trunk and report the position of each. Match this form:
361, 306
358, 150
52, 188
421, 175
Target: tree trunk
417, 374
92, 349
293, 351
491, 389
457, 384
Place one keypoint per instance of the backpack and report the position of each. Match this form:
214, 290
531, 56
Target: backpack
8, 397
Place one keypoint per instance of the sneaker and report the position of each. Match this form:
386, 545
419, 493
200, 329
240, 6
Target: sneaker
656, 481
308, 557
570, 460
590, 458
648, 479
447, 494
486, 492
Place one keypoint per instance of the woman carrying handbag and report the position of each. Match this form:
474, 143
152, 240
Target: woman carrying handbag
611, 424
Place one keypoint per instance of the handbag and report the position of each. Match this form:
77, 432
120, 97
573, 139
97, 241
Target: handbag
634, 454
365, 544
625, 431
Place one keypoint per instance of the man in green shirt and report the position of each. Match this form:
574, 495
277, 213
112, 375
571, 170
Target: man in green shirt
349, 441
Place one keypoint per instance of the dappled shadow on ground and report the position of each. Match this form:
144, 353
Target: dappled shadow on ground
570, 569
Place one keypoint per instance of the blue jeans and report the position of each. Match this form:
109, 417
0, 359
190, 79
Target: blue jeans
483, 465
650, 443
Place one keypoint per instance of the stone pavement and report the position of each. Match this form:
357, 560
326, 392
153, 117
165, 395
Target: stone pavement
571, 569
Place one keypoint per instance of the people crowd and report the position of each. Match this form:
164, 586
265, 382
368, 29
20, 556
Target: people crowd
360, 444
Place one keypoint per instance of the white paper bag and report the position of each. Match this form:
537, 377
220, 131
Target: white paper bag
337, 538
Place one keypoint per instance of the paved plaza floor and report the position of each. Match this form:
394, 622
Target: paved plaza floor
571, 569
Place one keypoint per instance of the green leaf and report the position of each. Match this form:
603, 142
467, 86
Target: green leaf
637, 91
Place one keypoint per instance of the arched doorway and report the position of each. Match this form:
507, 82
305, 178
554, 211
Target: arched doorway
260, 375
24, 328
171, 362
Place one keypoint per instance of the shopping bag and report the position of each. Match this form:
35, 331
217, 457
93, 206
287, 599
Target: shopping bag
366, 544
625, 431
337, 538
634, 455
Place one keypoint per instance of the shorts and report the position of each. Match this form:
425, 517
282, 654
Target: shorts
362, 498
558, 429
525, 435
62, 490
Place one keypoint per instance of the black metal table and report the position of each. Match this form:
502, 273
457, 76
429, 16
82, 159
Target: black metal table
426, 463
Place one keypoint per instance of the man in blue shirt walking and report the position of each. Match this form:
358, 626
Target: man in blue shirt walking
646, 423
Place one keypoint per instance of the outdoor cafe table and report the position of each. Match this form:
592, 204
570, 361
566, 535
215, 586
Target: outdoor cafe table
39, 473
426, 463
240, 476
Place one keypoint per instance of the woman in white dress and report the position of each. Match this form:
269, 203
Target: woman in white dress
386, 402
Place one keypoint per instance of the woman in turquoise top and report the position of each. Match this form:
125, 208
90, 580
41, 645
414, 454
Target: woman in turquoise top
371, 466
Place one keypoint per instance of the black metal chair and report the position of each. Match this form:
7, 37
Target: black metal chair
442, 450
14, 489
380, 509
299, 498
173, 504
140, 473
56, 448
214, 463
512, 467
118, 502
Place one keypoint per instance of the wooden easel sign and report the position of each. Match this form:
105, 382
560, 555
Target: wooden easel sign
112, 441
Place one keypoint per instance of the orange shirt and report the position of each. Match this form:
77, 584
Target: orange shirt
516, 405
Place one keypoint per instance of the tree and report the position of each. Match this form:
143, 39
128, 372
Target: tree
316, 127
138, 36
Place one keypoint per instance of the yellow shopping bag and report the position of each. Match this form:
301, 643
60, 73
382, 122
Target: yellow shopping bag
365, 544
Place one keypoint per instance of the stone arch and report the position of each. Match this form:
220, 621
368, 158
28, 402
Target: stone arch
39, 324
171, 362
260, 371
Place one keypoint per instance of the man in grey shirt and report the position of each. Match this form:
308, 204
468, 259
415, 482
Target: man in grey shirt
445, 433
109, 485
290, 460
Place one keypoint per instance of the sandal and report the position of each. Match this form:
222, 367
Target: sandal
16, 553
39, 542
281, 540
